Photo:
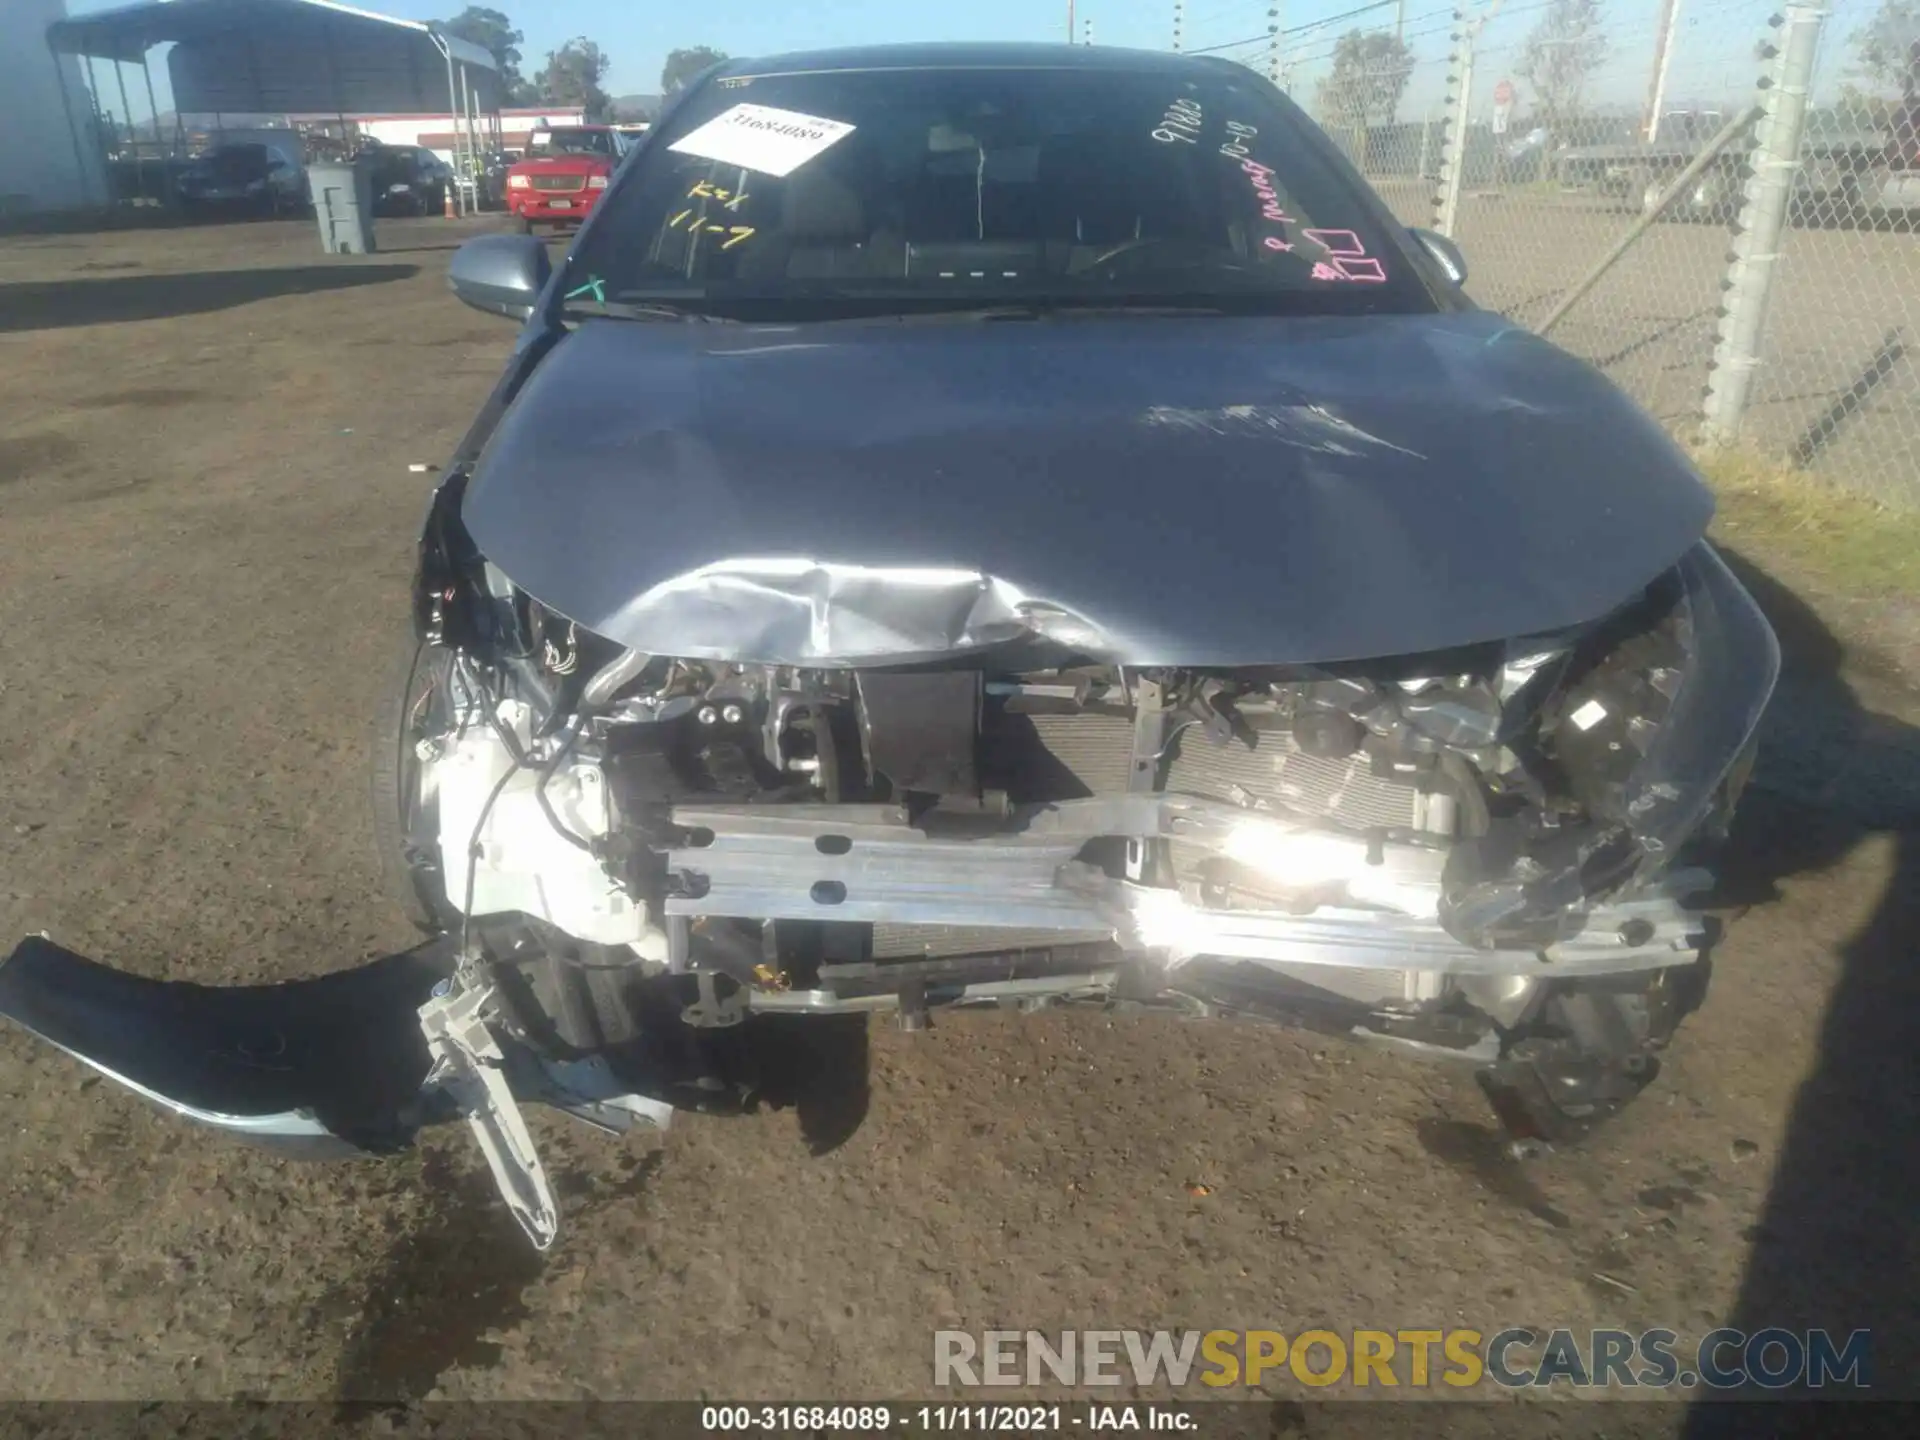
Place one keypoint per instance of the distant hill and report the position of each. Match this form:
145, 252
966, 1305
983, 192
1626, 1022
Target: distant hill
635, 107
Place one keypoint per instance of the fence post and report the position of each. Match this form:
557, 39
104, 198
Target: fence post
1763, 219
1453, 145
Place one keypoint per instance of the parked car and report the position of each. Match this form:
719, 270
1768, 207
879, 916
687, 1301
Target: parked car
251, 177
1014, 526
565, 171
409, 180
1895, 183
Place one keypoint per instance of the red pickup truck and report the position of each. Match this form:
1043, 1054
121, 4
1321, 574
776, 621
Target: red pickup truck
564, 171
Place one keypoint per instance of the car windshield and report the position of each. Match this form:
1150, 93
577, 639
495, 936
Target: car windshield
893, 190
574, 142
230, 160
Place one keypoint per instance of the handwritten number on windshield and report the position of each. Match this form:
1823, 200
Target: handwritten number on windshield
1180, 125
1346, 258
1235, 148
697, 224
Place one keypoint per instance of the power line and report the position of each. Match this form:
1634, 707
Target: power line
1297, 29
1321, 24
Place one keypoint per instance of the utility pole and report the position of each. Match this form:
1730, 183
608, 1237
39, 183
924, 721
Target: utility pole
1662, 59
1069, 22
1775, 165
1273, 42
1400, 20
1453, 153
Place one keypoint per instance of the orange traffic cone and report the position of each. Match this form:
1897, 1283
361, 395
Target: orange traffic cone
447, 191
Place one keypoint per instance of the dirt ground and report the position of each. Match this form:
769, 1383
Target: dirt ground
205, 526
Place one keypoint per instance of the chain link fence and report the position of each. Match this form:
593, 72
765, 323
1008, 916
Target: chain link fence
1773, 300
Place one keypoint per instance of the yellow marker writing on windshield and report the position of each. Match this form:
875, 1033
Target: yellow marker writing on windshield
707, 190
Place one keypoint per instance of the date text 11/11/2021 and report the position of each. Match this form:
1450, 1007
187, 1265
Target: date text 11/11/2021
942, 1419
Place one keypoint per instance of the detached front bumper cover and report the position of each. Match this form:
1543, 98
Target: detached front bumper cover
323, 1068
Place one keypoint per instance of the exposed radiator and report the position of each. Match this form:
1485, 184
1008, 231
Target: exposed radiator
1058, 757
1047, 757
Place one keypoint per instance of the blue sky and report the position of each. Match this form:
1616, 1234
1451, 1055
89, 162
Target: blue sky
1713, 56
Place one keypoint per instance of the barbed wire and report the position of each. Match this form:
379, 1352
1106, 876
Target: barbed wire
1621, 45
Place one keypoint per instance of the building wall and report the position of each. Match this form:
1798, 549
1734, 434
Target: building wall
435, 132
38, 169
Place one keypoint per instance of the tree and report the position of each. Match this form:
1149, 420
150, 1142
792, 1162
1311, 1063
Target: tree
1558, 59
493, 32
683, 65
1852, 109
1883, 48
1369, 75
572, 78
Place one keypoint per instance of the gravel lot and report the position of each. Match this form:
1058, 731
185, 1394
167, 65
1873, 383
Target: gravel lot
205, 530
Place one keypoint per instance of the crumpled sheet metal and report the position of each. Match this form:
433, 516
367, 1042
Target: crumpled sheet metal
1213, 493
795, 611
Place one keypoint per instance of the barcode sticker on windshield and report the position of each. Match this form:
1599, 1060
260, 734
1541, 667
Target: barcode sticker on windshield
759, 137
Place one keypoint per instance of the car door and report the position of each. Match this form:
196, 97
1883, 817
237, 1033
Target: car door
435, 175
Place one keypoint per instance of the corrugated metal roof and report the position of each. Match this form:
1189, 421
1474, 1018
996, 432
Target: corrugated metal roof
273, 56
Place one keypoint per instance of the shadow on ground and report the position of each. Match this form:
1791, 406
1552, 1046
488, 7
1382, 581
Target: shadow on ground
820, 1068
447, 1285
425, 246
1833, 1249
60, 304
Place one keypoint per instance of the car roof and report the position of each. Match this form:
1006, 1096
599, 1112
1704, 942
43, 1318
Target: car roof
971, 55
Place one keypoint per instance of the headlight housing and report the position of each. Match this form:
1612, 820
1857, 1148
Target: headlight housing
518, 182
1651, 721
596, 182
1732, 664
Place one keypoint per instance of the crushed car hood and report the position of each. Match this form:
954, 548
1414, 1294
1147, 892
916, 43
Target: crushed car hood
1194, 491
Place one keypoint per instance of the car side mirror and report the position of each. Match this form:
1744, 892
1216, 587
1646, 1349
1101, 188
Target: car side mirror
501, 274
1445, 252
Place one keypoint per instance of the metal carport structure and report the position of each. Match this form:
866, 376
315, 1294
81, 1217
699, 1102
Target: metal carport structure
288, 57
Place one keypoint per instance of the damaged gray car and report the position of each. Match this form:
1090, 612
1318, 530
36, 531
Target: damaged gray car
1007, 526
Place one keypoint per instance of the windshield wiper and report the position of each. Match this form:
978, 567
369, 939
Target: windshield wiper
644, 310
1037, 310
